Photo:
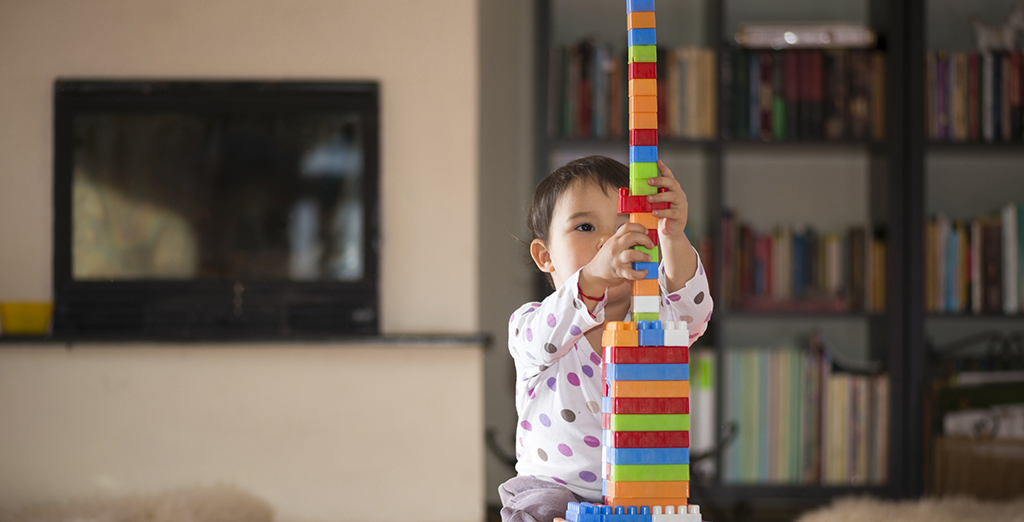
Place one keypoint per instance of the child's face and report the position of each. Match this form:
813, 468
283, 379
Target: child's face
584, 217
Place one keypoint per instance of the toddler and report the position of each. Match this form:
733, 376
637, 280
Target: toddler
584, 246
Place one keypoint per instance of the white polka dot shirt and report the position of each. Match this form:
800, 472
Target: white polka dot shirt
558, 385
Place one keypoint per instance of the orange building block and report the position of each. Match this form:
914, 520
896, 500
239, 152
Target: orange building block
640, 502
643, 104
668, 490
643, 120
643, 87
649, 389
640, 20
620, 333
645, 287
646, 219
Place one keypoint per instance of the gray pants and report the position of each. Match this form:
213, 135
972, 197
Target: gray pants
527, 499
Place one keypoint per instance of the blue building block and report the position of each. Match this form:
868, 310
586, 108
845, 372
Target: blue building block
586, 512
647, 455
641, 37
650, 333
643, 154
639, 5
648, 372
651, 268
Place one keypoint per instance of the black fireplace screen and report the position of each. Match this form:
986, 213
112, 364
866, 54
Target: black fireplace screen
176, 195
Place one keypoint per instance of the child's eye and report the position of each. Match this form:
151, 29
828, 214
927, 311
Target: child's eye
585, 227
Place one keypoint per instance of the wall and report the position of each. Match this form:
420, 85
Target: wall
506, 184
425, 56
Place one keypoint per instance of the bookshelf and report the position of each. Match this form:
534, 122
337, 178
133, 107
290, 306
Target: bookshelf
864, 181
957, 176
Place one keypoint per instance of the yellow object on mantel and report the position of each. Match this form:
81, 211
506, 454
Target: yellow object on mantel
25, 318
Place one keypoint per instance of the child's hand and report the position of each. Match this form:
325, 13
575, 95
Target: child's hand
613, 263
671, 222
677, 254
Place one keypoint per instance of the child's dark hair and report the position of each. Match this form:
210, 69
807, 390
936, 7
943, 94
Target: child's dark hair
606, 172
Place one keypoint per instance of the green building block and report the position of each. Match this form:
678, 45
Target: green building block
643, 53
645, 316
649, 472
643, 170
639, 173
652, 422
653, 252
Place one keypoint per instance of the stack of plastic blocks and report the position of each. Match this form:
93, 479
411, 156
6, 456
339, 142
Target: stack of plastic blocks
587, 512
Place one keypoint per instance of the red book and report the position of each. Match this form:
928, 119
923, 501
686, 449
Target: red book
973, 121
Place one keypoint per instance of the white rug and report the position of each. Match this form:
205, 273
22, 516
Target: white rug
958, 509
210, 504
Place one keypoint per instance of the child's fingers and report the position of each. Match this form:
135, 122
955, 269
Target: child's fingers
668, 183
664, 170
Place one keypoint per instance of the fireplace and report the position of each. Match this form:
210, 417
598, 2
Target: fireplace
214, 209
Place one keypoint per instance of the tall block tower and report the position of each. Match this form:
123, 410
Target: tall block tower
645, 409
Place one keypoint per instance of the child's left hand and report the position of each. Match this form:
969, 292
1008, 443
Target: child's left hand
678, 257
671, 222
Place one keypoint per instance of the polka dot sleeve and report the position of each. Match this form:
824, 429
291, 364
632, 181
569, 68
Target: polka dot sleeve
691, 303
539, 333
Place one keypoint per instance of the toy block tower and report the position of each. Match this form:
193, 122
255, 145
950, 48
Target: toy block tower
645, 410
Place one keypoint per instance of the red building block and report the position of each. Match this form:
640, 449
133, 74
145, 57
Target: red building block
647, 355
643, 406
630, 204
643, 137
647, 439
643, 70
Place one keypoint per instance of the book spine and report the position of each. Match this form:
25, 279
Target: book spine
766, 96
779, 97
755, 95
973, 97
727, 90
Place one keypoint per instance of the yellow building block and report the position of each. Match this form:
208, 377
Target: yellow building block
645, 287
643, 120
640, 20
643, 104
649, 389
643, 87
646, 219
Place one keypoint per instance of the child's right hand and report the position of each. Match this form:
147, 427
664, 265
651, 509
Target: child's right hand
613, 263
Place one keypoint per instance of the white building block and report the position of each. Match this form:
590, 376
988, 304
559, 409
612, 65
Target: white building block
645, 304
676, 333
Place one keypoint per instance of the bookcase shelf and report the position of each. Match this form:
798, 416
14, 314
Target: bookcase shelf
889, 202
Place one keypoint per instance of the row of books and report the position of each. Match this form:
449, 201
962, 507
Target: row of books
974, 96
807, 95
802, 269
588, 92
801, 420
975, 265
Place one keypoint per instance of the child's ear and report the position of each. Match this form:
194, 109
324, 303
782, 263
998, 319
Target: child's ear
541, 256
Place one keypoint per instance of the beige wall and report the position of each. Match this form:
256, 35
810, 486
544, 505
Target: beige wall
321, 433
506, 183
423, 53
272, 419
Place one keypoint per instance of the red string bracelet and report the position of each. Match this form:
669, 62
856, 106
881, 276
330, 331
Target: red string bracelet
595, 299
